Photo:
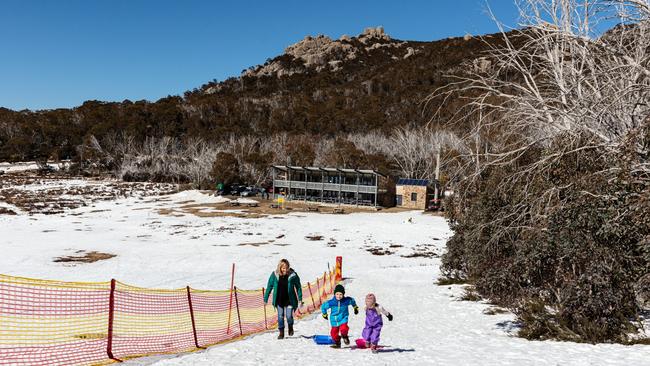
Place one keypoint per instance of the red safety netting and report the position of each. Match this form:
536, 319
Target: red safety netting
72, 323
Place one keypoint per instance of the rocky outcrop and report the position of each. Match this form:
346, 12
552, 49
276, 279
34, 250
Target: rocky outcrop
373, 34
321, 53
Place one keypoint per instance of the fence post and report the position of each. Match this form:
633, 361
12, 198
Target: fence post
189, 301
313, 304
111, 317
264, 306
232, 283
320, 297
238, 316
339, 268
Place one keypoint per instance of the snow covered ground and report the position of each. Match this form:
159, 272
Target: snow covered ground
29, 165
158, 244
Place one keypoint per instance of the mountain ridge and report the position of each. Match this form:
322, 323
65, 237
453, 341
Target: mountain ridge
318, 86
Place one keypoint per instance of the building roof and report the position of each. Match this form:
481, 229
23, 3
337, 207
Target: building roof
331, 170
412, 182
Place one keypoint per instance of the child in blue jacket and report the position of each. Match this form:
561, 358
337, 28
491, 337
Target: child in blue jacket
338, 316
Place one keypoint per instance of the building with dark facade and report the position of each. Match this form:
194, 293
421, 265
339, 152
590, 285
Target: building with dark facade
359, 187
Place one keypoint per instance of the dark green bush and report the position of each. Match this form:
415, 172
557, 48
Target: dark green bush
566, 266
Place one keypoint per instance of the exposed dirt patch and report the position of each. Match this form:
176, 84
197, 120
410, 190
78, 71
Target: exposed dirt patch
423, 251
267, 208
379, 251
421, 255
314, 237
198, 210
84, 257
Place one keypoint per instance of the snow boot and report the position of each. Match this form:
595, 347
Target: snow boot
290, 330
281, 335
336, 344
346, 340
373, 348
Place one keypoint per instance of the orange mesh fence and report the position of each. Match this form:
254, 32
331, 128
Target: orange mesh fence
70, 323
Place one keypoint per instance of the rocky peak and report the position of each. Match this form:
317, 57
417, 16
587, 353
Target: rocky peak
319, 51
370, 34
322, 53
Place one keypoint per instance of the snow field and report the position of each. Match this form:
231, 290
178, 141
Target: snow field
171, 251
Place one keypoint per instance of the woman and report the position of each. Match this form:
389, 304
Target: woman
287, 293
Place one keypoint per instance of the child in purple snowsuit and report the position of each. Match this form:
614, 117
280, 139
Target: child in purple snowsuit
374, 322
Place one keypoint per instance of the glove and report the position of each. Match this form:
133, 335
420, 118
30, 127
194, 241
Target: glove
325, 316
390, 317
356, 310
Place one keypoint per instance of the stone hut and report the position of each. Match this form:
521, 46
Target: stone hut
413, 193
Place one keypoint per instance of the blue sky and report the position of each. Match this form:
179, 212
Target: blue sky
57, 54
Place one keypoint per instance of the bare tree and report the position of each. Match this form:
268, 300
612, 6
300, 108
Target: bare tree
557, 75
199, 157
418, 150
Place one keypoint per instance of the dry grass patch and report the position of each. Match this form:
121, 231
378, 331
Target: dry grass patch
471, 294
494, 310
84, 257
445, 281
197, 210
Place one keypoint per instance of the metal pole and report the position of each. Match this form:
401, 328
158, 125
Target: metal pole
435, 184
232, 283
273, 185
289, 182
111, 318
357, 197
189, 302
340, 178
238, 316
376, 190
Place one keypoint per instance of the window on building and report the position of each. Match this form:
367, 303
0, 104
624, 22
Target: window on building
414, 196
